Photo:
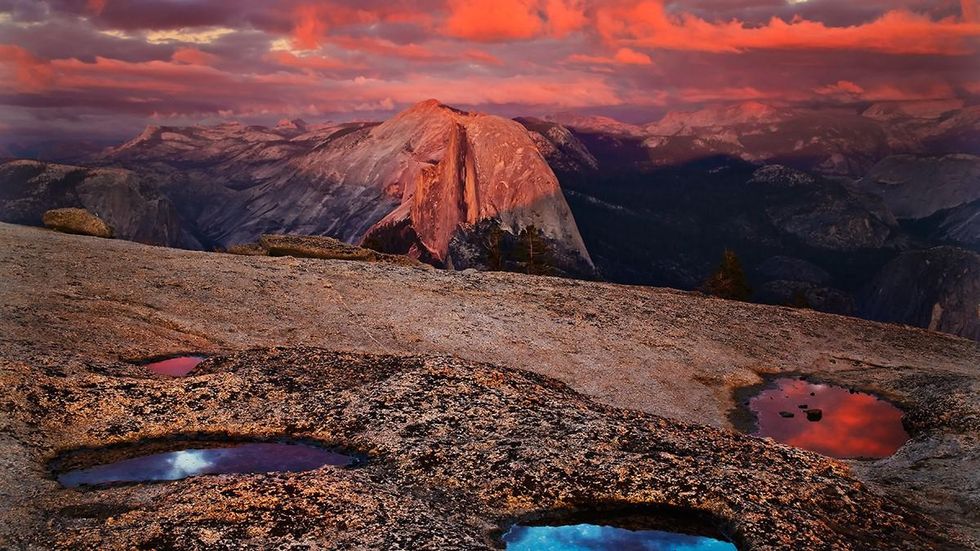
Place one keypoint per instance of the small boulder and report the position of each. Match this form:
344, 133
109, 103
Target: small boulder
77, 221
316, 246
786, 414
814, 415
247, 249
309, 246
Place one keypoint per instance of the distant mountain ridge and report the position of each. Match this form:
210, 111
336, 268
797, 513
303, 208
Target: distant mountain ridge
839, 142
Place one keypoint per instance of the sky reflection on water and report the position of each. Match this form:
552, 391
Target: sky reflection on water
586, 537
175, 367
850, 425
243, 458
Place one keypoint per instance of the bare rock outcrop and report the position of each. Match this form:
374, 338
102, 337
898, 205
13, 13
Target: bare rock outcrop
484, 168
823, 213
448, 425
315, 246
915, 186
78, 221
937, 288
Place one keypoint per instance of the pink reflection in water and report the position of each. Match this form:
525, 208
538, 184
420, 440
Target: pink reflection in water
175, 367
849, 425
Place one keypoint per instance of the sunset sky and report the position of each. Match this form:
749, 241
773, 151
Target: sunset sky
105, 68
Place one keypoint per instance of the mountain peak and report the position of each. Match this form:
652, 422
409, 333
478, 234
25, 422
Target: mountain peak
431, 102
593, 123
431, 106
291, 124
922, 109
427, 105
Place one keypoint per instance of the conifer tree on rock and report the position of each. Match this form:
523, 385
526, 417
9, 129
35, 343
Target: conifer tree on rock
729, 280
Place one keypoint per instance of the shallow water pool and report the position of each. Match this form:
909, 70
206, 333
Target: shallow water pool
178, 366
828, 419
175, 465
586, 537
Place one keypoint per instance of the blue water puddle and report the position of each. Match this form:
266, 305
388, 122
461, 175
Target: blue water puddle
175, 465
587, 537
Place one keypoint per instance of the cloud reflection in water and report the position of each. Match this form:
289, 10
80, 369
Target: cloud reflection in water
850, 425
244, 458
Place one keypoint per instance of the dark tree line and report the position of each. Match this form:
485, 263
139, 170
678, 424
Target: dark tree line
527, 252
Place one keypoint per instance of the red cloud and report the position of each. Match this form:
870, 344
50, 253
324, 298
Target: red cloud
493, 20
483, 57
313, 20
26, 72
96, 6
625, 56
970, 10
565, 16
557, 90
648, 24
309, 27
918, 90
193, 56
311, 62
632, 57
502, 20
380, 46
703, 95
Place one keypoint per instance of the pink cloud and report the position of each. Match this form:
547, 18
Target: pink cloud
970, 10
193, 56
847, 91
96, 6
648, 24
632, 57
565, 16
308, 62
309, 27
23, 70
623, 56
493, 20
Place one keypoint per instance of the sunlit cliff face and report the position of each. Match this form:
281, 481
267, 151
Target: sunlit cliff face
73, 65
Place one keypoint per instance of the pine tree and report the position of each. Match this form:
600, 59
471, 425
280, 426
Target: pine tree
494, 248
534, 251
729, 280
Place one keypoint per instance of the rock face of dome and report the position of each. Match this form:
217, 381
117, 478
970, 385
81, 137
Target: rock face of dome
476, 168
416, 184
